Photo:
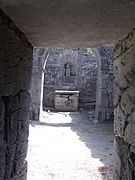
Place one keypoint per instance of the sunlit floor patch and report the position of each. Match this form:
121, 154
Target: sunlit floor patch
68, 146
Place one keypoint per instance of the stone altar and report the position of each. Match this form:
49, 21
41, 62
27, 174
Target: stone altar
66, 100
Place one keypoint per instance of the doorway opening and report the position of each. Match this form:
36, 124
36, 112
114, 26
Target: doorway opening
71, 90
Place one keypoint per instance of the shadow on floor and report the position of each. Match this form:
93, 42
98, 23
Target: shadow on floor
97, 137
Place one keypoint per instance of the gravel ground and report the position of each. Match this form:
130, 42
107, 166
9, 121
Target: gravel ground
69, 146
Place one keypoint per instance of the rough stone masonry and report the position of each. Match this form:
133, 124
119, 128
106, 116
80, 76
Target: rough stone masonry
105, 84
15, 79
124, 103
74, 69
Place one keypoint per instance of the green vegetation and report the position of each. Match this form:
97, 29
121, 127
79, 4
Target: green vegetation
90, 50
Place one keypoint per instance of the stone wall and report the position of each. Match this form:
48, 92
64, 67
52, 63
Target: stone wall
39, 56
71, 69
15, 78
105, 84
124, 102
66, 100
86, 69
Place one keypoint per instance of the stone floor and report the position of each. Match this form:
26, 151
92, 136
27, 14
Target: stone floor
69, 146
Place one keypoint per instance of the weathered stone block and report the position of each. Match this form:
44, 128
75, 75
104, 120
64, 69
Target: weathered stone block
105, 89
124, 123
127, 104
129, 131
2, 162
121, 154
66, 100
15, 77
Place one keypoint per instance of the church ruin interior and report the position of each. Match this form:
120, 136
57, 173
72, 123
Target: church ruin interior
72, 89
67, 89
